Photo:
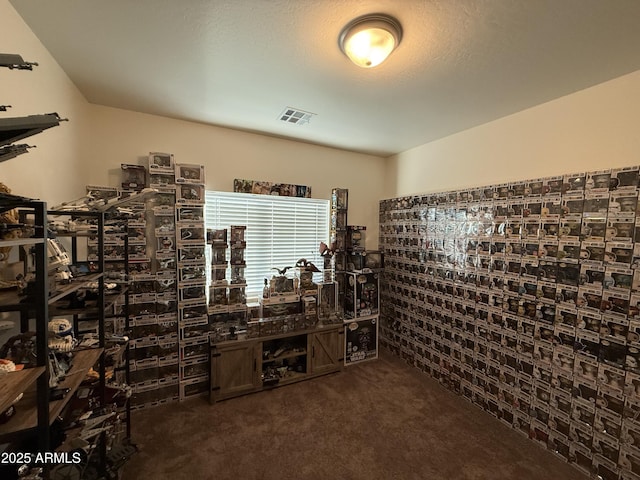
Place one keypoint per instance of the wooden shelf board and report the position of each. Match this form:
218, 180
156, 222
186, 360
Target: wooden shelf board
284, 356
292, 333
14, 383
26, 416
292, 377
76, 284
21, 241
10, 300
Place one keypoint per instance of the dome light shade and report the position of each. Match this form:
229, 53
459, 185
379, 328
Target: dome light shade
370, 39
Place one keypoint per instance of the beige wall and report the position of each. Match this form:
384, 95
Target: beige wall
48, 172
126, 137
593, 129
91, 146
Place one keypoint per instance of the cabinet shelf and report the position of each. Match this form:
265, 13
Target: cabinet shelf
283, 356
26, 417
290, 377
238, 367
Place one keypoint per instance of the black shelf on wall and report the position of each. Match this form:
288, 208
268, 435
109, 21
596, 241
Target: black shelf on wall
18, 128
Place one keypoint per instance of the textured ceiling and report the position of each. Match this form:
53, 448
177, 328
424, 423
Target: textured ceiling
239, 63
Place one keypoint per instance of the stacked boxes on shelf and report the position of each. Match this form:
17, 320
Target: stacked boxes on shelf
361, 302
164, 268
281, 309
162, 178
357, 275
193, 320
308, 290
152, 292
524, 298
338, 237
237, 296
227, 298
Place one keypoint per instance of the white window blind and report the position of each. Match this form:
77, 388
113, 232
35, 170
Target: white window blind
280, 231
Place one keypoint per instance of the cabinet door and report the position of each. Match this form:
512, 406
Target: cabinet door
325, 351
234, 370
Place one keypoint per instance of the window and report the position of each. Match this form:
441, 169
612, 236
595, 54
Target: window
280, 231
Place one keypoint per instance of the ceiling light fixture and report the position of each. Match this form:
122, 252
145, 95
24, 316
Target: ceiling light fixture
368, 40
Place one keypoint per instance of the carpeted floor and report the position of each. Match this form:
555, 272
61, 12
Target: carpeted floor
376, 420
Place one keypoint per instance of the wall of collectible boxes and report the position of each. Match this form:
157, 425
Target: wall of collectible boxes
166, 266
525, 299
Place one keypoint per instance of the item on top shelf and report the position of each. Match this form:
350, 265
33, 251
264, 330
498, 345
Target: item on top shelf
339, 198
237, 236
282, 284
161, 161
356, 236
217, 237
134, 177
305, 275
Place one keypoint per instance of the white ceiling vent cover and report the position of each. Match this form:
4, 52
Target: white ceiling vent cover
294, 115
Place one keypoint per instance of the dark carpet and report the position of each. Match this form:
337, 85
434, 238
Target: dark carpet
376, 420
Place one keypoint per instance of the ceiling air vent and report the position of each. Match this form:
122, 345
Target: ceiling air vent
293, 115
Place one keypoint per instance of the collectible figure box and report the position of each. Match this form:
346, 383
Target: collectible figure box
191, 194
361, 340
362, 294
366, 261
161, 162
356, 238
339, 199
190, 174
269, 310
134, 177
189, 213
162, 180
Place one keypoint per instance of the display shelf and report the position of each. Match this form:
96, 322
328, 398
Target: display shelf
90, 309
18, 128
15, 383
26, 416
238, 366
12, 60
11, 301
295, 333
284, 356
21, 241
36, 379
76, 284
291, 377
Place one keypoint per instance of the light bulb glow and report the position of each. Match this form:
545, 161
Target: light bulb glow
368, 48
370, 39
